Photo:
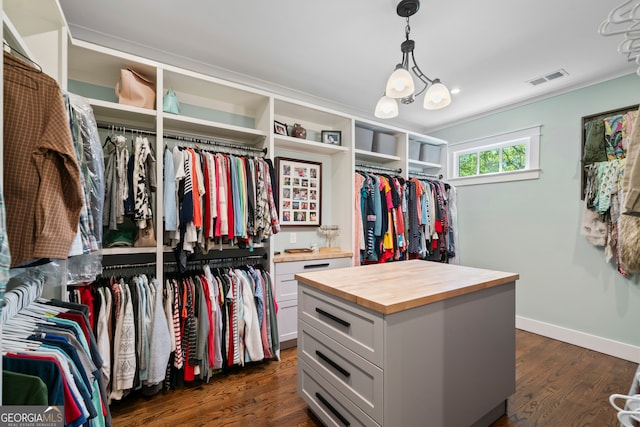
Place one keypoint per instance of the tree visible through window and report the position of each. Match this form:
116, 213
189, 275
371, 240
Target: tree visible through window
514, 158
468, 164
489, 161
506, 156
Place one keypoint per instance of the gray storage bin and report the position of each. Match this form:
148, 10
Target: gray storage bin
384, 143
414, 150
364, 139
430, 153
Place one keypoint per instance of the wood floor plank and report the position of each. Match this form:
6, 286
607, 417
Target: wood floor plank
557, 384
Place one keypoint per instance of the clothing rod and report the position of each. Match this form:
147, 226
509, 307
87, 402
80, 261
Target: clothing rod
424, 175
124, 128
397, 171
220, 260
128, 266
215, 143
194, 140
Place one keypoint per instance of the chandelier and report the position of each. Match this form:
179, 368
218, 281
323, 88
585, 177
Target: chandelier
400, 84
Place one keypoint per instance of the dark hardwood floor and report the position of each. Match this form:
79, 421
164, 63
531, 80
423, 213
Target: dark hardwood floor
557, 385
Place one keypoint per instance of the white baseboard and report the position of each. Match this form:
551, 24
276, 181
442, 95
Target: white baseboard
592, 342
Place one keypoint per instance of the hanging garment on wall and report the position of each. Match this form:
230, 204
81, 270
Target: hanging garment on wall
629, 224
41, 175
601, 220
608, 218
631, 177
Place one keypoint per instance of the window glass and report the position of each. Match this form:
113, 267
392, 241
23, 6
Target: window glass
468, 164
489, 161
514, 158
508, 156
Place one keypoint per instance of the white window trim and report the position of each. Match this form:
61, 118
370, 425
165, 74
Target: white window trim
529, 136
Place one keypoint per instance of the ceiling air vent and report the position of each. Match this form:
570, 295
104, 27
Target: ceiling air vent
547, 78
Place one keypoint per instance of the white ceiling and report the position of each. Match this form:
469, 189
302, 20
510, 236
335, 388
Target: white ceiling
339, 53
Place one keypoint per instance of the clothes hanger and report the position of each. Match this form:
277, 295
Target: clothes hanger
629, 46
629, 418
627, 398
621, 13
24, 57
613, 20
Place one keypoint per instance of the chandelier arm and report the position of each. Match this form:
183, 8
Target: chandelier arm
419, 74
421, 91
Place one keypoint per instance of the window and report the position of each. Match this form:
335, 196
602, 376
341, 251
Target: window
511, 156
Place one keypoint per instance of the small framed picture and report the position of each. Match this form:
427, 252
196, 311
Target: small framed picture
279, 128
332, 137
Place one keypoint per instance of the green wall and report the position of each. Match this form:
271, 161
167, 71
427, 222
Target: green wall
533, 227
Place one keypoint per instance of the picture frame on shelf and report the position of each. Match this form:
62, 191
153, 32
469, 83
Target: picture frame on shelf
299, 192
331, 137
280, 128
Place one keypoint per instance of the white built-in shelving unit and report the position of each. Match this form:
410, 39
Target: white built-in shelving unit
212, 109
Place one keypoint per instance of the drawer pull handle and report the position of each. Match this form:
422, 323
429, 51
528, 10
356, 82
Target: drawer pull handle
332, 317
333, 410
333, 364
324, 264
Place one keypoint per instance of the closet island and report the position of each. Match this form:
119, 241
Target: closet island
410, 343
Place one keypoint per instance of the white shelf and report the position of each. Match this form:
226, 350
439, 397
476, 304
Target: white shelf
35, 17
13, 38
308, 146
191, 126
128, 251
418, 164
426, 139
370, 156
122, 114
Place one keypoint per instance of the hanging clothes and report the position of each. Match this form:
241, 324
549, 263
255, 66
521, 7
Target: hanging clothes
378, 205
429, 219
42, 188
400, 219
117, 188
89, 155
608, 218
53, 342
219, 198
183, 330
84, 263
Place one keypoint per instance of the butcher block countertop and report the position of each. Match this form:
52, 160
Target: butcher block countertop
310, 256
396, 286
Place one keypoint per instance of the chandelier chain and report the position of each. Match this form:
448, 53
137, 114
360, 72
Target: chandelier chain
407, 29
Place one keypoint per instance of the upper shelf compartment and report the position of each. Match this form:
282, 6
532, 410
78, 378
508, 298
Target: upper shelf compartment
93, 72
314, 120
38, 30
425, 152
211, 107
379, 144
